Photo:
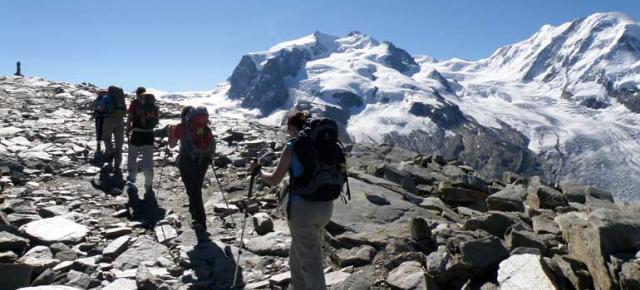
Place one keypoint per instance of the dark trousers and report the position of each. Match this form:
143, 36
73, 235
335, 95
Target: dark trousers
192, 173
99, 121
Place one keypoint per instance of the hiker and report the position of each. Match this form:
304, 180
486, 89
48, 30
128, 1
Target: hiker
143, 117
197, 147
99, 115
18, 70
308, 211
113, 127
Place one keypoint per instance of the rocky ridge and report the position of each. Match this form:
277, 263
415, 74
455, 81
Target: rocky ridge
415, 221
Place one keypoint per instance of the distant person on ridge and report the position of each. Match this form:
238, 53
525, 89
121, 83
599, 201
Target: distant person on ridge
113, 127
18, 70
143, 117
316, 165
99, 115
197, 148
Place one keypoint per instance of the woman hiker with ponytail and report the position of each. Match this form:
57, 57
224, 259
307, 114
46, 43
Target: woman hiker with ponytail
307, 219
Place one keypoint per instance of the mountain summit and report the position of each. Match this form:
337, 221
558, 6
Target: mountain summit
561, 103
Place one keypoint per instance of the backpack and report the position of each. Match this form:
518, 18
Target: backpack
146, 115
324, 161
197, 140
115, 104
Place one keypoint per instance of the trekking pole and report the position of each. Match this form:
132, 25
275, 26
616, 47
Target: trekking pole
244, 223
164, 161
224, 197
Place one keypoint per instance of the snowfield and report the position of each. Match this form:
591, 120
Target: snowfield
560, 88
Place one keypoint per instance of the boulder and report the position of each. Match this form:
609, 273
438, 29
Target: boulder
11, 242
542, 196
55, 229
593, 238
116, 247
122, 284
520, 238
145, 280
113, 233
52, 211
359, 280
449, 193
443, 266
39, 257
144, 249
508, 199
630, 275
496, 222
355, 256
273, 243
480, 254
525, 271
578, 193
543, 224
574, 271
8, 257
50, 287
262, 223
410, 276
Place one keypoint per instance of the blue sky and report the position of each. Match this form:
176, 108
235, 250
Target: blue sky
193, 45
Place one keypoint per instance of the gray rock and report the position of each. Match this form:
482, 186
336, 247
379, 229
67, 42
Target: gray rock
145, 280
113, 233
542, 196
165, 233
52, 211
274, 243
122, 284
496, 223
480, 254
11, 242
15, 275
420, 229
39, 257
144, 249
449, 193
435, 203
578, 193
45, 278
377, 199
544, 225
525, 239
19, 219
356, 281
509, 199
574, 271
594, 237
55, 229
335, 277
66, 255
116, 247
525, 271
86, 264
630, 275
410, 275
355, 256
8, 257
262, 223
81, 280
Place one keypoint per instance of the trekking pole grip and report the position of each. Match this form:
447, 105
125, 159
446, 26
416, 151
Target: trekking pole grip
256, 170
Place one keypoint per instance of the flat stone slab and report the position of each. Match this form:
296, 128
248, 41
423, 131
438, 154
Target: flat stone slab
122, 284
274, 243
525, 271
165, 233
116, 247
55, 229
144, 249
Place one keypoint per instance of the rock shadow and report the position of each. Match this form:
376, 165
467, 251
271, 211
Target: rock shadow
146, 210
214, 264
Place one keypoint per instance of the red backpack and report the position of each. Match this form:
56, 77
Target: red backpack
197, 140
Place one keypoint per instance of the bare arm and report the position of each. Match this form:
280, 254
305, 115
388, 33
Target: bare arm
284, 164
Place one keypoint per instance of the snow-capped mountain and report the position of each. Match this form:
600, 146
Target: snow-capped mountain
560, 103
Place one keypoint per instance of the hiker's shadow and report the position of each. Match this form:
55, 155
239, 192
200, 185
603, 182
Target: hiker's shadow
109, 182
214, 265
146, 210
